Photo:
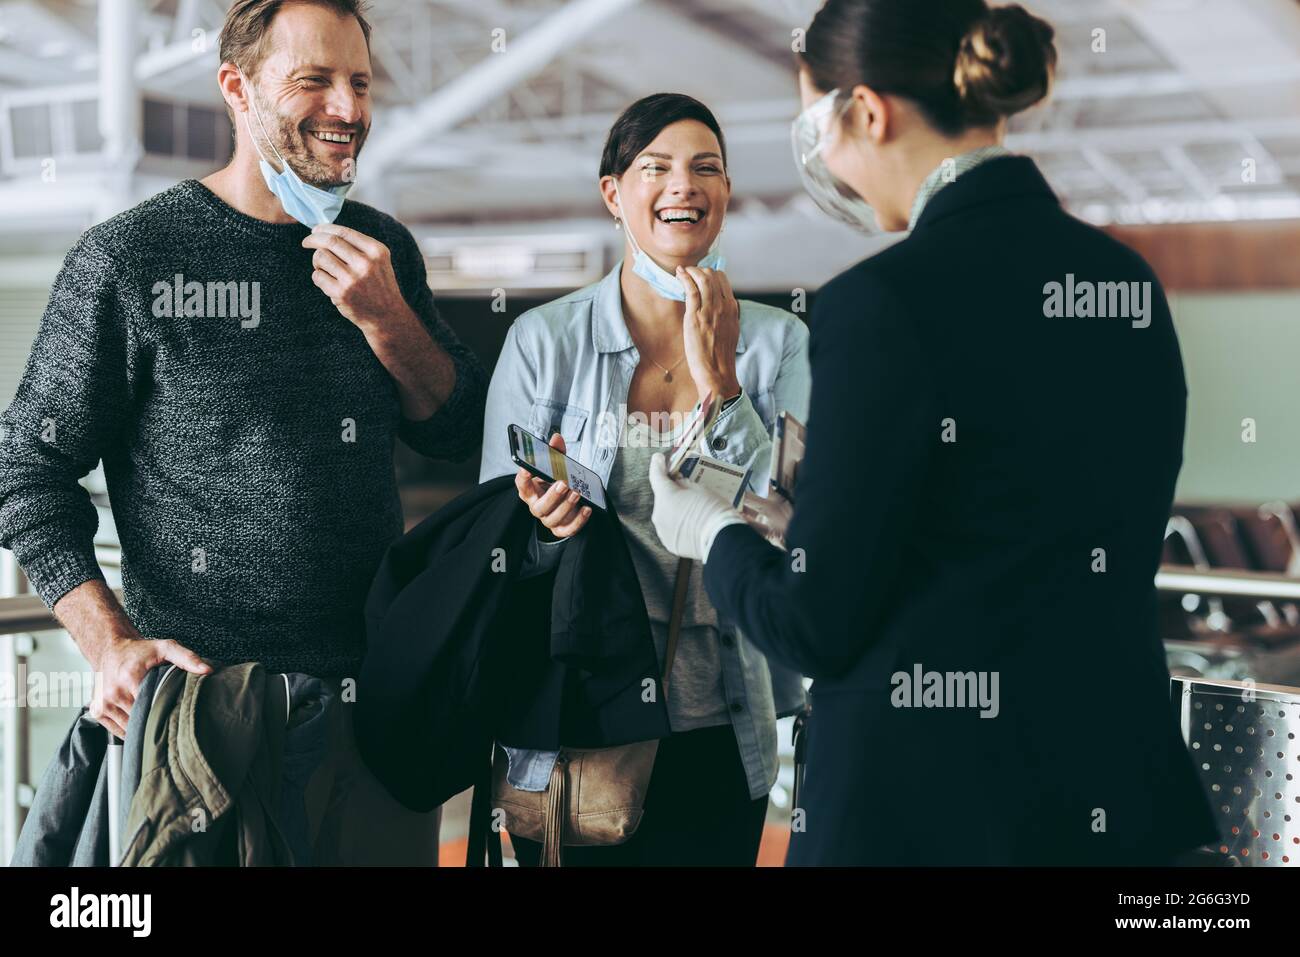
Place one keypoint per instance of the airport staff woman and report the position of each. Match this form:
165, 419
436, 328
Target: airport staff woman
988, 472
610, 373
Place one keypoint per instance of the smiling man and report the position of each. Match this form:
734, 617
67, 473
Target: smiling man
249, 464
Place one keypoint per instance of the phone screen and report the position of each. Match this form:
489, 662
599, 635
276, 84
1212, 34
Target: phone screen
530, 451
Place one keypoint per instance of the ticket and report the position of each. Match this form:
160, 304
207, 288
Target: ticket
721, 478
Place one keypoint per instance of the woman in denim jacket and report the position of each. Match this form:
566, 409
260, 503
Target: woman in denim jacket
611, 373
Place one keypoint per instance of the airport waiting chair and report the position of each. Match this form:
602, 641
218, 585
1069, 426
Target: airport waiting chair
1272, 534
1243, 739
1183, 547
1225, 545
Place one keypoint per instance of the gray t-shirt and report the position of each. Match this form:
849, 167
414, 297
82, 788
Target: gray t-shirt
696, 697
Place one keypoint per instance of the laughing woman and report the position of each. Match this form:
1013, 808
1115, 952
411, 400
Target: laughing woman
643, 346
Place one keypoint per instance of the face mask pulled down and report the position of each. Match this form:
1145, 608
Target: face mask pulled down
659, 279
308, 204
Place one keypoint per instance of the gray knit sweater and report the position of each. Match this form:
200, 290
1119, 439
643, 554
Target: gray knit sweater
246, 430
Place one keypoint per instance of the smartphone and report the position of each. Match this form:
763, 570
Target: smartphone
532, 453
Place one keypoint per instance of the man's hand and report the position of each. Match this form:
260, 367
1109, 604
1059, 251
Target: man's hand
356, 272
117, 653
121, 668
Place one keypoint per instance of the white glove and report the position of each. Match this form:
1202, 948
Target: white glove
687, 517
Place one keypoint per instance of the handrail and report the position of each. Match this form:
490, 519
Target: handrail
1239, 689
19, 615
25, 613
1183, 579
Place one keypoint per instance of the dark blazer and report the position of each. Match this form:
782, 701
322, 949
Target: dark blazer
461, 651
972, 466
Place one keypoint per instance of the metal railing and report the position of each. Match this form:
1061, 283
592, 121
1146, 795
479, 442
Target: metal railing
1236, 584
15, 732
1262, 650
21, 616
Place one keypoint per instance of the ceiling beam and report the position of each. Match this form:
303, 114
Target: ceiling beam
1169, 83
25, 70
769, 121
491, 77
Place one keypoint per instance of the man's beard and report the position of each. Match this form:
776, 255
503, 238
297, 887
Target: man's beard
291, 141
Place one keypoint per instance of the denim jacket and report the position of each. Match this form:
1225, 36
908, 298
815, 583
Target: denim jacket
566, 367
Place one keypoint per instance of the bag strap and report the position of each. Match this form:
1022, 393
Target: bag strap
483, 838
675, 618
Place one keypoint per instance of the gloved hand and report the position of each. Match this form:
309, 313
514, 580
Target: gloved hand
687, 517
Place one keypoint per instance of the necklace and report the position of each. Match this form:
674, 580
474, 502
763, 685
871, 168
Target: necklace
668, 373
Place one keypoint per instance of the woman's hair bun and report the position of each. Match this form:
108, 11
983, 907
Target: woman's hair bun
1005, 64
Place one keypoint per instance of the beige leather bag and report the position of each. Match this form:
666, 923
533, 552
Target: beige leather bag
596, 796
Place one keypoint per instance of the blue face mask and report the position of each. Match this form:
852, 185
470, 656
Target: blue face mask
659, 279
308, 204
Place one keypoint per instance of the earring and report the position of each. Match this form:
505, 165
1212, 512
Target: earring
618, 223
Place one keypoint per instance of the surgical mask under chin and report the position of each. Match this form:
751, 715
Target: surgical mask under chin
659, 279
308, 204
808, 136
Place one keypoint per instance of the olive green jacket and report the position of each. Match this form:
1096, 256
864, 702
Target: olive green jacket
210, 772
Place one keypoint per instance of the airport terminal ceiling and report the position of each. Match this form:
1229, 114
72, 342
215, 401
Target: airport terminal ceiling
1154, 118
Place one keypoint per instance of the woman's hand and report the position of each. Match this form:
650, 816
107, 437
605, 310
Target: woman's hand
553, 504
710, 331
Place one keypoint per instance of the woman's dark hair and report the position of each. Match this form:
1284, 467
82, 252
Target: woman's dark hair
964, 63
644, 120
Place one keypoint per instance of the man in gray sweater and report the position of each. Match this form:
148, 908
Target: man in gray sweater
243, 378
